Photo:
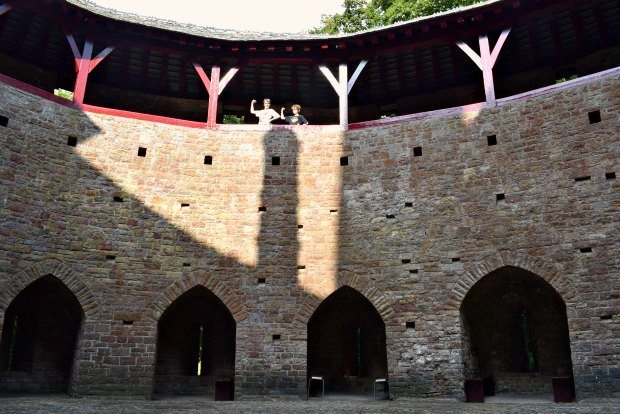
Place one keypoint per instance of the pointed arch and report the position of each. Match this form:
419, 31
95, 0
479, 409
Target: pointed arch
17, 282
199, 277
361, 284
550, 273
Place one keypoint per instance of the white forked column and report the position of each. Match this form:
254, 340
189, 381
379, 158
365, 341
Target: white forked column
343, 86
486, 61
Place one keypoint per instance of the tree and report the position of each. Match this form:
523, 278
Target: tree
366, 14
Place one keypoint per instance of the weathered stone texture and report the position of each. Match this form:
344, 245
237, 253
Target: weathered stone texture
125, 260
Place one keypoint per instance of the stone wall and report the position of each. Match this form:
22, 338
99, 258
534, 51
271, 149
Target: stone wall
129, 234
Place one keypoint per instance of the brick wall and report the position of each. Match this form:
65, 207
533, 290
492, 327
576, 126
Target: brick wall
410, 233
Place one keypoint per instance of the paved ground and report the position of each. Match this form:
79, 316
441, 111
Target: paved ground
60, 404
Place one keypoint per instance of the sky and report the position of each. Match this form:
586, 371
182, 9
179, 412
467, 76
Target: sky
264, 16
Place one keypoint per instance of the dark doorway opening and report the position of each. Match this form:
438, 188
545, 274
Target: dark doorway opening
39, 338
346, 343
514, 327
195, 345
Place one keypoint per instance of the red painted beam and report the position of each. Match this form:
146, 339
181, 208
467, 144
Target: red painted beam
213, 96
83, 68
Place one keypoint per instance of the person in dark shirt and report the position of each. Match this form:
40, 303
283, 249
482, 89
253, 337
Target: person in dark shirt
296, 118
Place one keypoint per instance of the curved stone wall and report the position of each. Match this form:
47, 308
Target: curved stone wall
273, 221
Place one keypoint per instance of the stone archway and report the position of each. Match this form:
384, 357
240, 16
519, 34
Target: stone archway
39, 337
347, 343
514, 327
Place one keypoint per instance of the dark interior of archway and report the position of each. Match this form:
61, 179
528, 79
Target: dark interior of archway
515, 323
346, 343
39, 338
195, 344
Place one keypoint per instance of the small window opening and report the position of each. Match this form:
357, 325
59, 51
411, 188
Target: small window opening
261, 280
118, 199
187, 264
126, 322
262, 208
491, 140
390, 216
405, 261
413, 271
72, 141
586, 250
500, 197
410, 325
527, 343
344, 161
11, 356
408, 204
607, 317
456, 259
275, 160
276, 337
141, 152
594, 117
208, 160
610, 176
4, 121
584, 178
417, 151
110, 257
199, 367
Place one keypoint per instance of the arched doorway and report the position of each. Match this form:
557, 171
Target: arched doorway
514, 327
39, 338
195, 344
346, 343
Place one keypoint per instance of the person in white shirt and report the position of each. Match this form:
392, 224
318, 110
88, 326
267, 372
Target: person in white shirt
265, 116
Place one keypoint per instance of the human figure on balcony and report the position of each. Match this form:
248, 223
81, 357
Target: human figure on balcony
296, 118
265, 116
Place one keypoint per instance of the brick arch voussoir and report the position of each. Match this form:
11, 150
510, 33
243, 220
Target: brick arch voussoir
360, 283
542, 268
20, 280
235, 303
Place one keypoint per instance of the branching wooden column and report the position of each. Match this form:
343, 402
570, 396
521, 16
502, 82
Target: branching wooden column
343, 86
486, 61
4, 8
84, 64
215, 86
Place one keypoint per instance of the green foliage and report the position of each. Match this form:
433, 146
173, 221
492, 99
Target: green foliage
571, 77
366, 14
63, 94
233, 119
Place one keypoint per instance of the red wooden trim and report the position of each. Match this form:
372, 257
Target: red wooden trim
76, 51
99, 58
213, 95
82, 76
143, 117
203, 76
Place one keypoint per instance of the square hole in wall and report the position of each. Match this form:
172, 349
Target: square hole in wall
110, 257
275, 160
417, 151
610, 176
456, 259
72, 141
118, 199
333, 211
413, 271
126, 322
277, 337
607, 317
594, 116
186, 264
405, 261
184, 205
4, 121
261, 281
141, 152
500, 197
408, 204
262, 208
300, 226
584, 178
491, 140
586, 250
208, 160
410, 325
301, 267
344, 161
390, 216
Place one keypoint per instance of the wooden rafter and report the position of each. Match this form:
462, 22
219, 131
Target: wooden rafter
214, 86
343, 86
486, 60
